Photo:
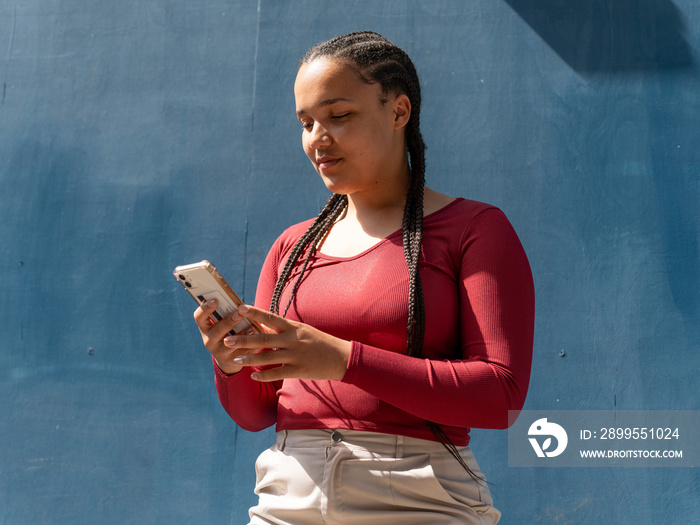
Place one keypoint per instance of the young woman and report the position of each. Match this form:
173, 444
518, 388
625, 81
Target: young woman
398, 319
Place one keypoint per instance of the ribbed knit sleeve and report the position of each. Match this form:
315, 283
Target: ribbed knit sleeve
253, 404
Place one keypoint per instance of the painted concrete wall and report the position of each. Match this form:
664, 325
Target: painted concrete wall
135, 136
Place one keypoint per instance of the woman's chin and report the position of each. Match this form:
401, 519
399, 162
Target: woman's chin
333, 185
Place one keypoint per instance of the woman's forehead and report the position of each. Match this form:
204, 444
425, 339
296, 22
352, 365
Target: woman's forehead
327, 79
328, 72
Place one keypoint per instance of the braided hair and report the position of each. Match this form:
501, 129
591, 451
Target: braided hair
378, 61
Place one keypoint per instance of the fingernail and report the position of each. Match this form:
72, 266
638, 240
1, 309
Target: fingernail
230, 341
239, 360
243, 308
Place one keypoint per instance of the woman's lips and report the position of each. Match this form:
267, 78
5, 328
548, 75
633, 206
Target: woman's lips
325, 163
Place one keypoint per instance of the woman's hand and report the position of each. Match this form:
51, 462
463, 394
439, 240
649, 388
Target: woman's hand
213, 335
299, 350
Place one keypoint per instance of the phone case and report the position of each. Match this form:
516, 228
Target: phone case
203, 282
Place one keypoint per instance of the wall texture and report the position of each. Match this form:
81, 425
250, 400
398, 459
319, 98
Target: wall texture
135, 136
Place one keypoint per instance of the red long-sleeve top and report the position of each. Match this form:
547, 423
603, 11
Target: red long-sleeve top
479, 304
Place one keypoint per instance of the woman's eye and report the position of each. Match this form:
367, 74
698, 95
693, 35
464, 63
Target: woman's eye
338, 117
307, 125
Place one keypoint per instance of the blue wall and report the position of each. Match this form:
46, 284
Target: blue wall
135, 136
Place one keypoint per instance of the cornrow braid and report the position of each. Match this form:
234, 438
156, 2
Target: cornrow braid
377, 61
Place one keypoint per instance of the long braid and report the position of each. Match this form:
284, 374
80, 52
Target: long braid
331, 211
413, 227
323, 228
379, 61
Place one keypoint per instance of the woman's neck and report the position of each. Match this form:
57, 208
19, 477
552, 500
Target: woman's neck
358, 229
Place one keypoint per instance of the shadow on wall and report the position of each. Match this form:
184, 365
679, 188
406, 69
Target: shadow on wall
606, 36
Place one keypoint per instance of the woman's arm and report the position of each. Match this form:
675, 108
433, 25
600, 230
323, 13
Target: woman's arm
251, 404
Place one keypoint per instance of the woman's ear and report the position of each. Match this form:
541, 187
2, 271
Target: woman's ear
402, 111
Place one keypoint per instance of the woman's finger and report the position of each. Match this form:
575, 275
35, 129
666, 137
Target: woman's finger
202, 315
254, 341
274, 374
211, 330
280, 362
268, 357
275, 322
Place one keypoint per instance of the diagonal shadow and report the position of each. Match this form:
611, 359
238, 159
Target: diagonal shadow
606, 36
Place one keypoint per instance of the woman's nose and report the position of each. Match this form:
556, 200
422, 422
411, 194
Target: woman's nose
320, 138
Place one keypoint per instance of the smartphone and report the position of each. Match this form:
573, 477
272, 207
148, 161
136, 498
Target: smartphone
203, 282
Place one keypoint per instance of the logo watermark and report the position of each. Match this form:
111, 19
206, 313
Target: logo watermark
542, 427
599, 438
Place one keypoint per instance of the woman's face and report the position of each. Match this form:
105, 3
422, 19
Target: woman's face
355, 142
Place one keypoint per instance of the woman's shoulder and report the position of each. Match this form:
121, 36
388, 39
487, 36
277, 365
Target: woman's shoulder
462, 221
297, 230
457, 209
289, 237
469, 230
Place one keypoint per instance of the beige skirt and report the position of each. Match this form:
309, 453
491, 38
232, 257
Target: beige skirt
348, 477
